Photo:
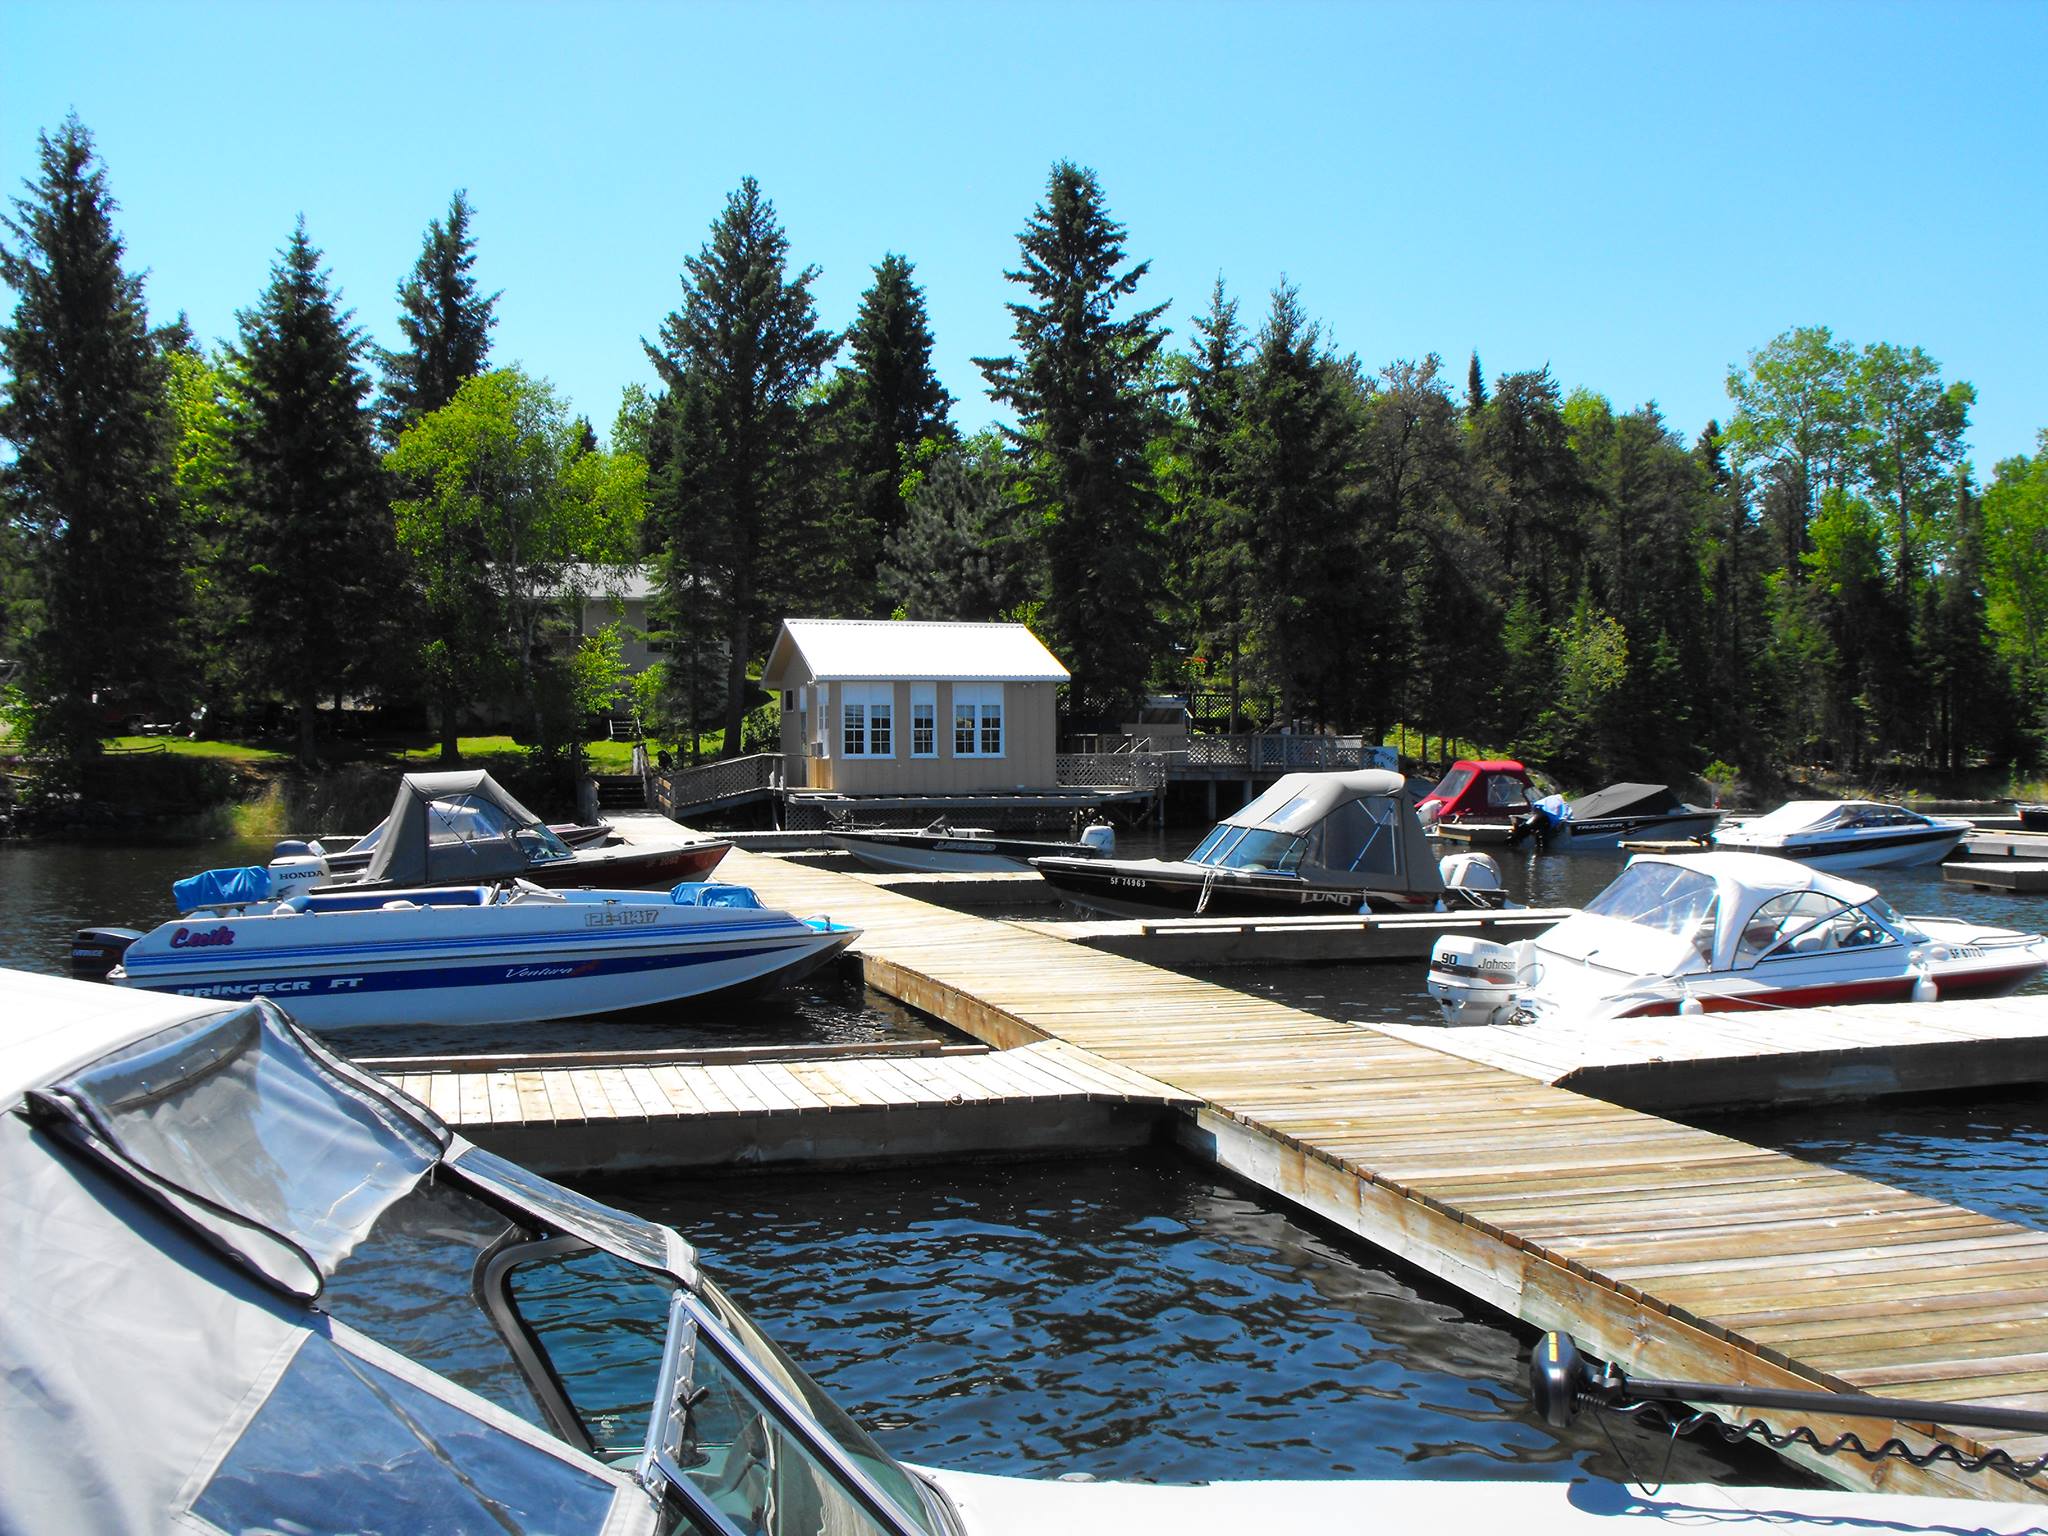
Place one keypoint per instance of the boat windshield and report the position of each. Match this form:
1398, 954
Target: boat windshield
1258, 849
1795, 923
1665, 897
467, 820
1452, 785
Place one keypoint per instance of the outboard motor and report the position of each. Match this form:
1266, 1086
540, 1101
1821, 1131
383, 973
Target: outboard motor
1470, 872
1474, 981
1100, 836
96, 951
292, 873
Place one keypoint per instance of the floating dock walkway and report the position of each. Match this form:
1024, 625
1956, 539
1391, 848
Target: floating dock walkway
1674, 1251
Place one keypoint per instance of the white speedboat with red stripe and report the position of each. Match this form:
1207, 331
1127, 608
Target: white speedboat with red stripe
1716, 932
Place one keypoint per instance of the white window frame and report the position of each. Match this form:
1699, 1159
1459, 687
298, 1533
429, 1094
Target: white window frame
924, 714
873, 705
979, 706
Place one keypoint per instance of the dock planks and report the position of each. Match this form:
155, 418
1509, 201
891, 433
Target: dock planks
1676, 1251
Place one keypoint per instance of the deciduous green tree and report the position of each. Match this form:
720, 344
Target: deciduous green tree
508, 517
2016, 576
90, 487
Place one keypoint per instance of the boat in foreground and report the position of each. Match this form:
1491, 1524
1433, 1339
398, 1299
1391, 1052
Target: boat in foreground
1847, 834
1717, 932
454, 828
1314, 842
477, 954
943, 849
205, 1212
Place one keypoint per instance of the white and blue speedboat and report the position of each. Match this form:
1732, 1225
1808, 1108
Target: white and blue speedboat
479, 954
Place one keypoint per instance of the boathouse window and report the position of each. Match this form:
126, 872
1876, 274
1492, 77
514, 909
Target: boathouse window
865, 720
924, 720
977, 719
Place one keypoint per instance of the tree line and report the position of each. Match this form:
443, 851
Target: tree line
1255, 518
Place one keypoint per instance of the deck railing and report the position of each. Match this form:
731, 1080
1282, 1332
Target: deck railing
728, 779
1126, 770
1272, 751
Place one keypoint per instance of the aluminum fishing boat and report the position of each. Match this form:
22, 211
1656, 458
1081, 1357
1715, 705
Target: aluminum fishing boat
1717, 932
475, 954
943, 849
453, 828
1847, 834
250, 1287
1314, 842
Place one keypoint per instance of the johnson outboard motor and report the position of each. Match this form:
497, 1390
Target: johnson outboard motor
96, 951
1475, 981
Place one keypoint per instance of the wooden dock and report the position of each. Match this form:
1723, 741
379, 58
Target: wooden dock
2003, 845
1674, 1251
2022, 876
606, 1114
1220, 941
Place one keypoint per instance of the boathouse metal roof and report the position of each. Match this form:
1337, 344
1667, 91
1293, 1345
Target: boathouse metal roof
874, 650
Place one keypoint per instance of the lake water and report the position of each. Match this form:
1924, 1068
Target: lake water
1138, 1318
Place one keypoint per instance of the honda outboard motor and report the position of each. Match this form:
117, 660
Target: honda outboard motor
1100, 836
294, 873
1474, 981
96, 951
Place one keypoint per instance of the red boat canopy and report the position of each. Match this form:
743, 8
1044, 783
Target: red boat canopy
1482, 789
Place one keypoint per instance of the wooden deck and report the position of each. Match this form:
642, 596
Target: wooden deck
1677, 1252
608, 1114
2025, 876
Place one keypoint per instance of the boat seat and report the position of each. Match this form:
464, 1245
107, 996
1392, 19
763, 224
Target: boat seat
374, 901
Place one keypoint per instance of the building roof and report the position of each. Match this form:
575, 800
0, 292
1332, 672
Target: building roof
857, 650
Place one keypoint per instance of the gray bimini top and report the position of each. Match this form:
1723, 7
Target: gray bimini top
1345, 829
458, 829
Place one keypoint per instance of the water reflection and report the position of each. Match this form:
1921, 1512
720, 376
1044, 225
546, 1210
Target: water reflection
1138, 1319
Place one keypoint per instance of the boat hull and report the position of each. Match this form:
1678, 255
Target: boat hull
593, 953
1890, 850
1162, 890
930, 853
1607, 834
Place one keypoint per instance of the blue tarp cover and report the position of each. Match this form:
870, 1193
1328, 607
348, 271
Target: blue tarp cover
222, 888
705, 893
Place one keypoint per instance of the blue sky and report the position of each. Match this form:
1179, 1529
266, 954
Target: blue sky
1636, 195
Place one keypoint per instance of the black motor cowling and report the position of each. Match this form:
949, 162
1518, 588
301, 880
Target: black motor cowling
96, 951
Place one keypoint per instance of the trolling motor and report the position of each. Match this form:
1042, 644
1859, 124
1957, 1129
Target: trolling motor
1562, 1381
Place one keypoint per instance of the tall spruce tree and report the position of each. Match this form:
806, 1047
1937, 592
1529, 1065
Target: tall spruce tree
1214, 552
880, 408
951, 557
312, 542
1475, 386
1298, 473
90, 490
446, 323
735, 487
1087, 399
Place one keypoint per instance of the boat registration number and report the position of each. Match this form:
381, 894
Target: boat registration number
1966, 952
1127, 880
621, 917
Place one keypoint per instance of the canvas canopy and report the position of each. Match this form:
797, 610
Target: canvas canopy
1798, 817
1625, 800
455, 828
1336, 828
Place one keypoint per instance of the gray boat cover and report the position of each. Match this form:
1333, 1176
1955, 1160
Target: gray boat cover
451, 829
1342, 813
150, 1382
1625, 800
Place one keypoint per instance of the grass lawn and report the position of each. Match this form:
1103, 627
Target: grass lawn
178, 746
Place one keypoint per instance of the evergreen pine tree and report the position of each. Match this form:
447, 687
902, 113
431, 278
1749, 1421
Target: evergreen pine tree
1475, 386
735, 489
881, 408
312, 542
1087, 401
446, 323
1216, 551
84, 405
1298, 470
950, 558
